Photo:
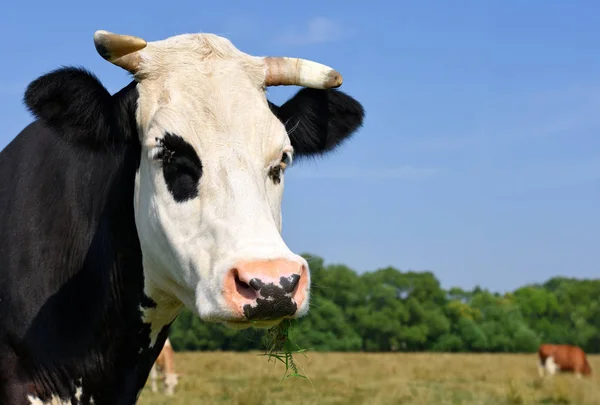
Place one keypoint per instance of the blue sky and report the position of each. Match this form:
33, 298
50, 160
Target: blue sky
479, 158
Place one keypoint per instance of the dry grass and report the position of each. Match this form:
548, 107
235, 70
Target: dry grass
374, 379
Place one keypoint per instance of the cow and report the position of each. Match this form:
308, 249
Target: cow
119, 210
165, 365
566, 358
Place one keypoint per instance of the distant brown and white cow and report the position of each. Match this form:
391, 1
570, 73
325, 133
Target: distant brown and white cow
568, 358
165, 364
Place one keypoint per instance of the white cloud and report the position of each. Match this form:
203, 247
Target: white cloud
397, 173
318, 30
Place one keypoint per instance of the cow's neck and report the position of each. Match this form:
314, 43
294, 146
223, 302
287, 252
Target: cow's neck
100, 346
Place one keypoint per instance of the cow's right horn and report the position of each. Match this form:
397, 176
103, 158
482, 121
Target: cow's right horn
120, 50
284, 71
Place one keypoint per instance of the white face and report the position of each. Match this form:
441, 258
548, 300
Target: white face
210, 184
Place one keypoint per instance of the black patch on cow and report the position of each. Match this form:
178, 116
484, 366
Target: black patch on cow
181, 166
74, 103
319, 120
71, 276
274, 304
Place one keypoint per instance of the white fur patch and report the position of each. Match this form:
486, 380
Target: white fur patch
158, 318
56, 400
171, 381
166, 310
551, 366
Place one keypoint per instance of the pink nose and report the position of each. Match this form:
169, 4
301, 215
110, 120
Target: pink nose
261, 290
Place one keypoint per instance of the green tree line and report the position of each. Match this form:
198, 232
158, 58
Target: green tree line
391, 310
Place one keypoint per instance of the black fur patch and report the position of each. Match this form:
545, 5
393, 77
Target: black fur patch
319, 120
74, 103
274, 303
181, 165
71, 273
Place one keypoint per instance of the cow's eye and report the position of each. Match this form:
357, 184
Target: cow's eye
276, 171
286, 160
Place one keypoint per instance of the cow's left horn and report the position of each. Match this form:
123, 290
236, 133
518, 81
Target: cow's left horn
282, 71
119, 49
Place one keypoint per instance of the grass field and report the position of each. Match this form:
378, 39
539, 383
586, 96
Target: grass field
373, 379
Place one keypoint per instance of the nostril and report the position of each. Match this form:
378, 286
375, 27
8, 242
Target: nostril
243, 288
289, 284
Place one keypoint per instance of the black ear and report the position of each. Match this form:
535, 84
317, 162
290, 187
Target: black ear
74, 103
319, 120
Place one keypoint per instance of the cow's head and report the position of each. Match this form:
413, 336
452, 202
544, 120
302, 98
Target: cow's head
214, 156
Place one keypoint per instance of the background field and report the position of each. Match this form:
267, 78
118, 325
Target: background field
374, 379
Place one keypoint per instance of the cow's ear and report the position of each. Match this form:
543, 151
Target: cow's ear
73, 102
318, 121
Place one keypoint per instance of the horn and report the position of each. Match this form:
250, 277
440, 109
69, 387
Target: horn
120, 50
283, 71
